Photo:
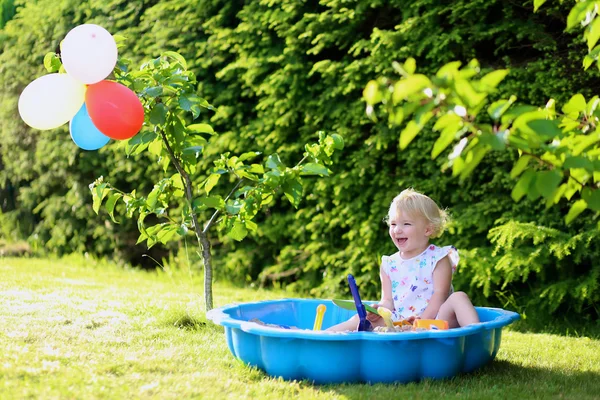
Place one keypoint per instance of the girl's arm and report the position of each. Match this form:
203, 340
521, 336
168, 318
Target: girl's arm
442, 279
386, 296
386, 290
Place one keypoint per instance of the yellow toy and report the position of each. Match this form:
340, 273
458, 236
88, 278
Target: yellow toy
387, 316
319, 318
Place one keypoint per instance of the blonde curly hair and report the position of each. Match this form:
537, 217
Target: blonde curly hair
411, 202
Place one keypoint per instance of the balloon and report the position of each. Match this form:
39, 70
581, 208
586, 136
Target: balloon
89, 53
114, 109
84, 133
50, 101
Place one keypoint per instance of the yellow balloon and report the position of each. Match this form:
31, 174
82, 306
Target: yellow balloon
51, 101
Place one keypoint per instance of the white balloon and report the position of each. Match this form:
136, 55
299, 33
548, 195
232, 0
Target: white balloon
89, 53
51, 100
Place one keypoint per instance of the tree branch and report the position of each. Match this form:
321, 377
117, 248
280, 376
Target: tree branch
214, 216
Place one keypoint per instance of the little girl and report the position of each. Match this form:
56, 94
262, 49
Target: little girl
416, 282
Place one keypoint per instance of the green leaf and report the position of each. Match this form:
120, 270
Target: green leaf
520, 166
256, 169
546, 182
593, 33
467, 94
537, 4
592, 105
177, 57
338, 141
396, 116
412, 129
111, 202
251, 225
576, 104
187, 100
449, 70
155, 148
52, 62
473, 159
201, 128
177, 183
273, 162
141, 238
182, 230
409, 133
314, 169
588, 61
154, 91
579, 13
249, 155
142, 138
158, 115
153, 196
233, 207
292, 189
211, 181
494, 78
497, 141
371, 93
238, 231
578, 162
408, 86
585, 142
498, 108
546, 128
212, 202
98, 194
192, 150
167, 233
410, 65
447, 136
522, 186
592, 198
577, 208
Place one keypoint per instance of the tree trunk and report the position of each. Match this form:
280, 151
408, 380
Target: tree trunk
207, 258
201, 235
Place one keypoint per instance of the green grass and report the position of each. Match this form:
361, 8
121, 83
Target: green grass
81, 329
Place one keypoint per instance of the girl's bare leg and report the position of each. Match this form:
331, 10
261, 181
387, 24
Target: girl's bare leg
352, 324
458, 311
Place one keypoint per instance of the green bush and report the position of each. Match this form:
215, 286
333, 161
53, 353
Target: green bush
278, 71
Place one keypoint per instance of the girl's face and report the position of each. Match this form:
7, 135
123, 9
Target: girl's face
410, 234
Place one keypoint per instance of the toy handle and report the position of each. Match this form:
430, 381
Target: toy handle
363, 324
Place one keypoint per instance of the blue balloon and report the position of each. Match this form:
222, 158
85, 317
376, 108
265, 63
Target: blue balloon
84, 133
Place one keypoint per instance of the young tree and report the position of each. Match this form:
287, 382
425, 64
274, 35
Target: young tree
167, 90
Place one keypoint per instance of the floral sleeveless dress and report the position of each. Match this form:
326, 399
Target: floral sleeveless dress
412, 279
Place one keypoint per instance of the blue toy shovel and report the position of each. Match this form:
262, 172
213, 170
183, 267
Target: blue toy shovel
363, 325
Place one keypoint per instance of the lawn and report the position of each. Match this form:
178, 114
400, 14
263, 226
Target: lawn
83, 329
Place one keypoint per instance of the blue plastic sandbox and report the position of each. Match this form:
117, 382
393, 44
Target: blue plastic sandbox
325, 357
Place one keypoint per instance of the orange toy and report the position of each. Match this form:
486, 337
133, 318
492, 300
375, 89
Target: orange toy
430, 324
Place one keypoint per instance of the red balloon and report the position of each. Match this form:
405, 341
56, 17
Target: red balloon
114, 109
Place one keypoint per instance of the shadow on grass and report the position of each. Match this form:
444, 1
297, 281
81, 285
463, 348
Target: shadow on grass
499, 379
563, 327
187, 322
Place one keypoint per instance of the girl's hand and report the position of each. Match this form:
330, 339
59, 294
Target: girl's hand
412, 319
371, 317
